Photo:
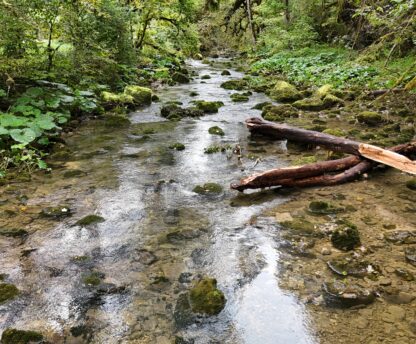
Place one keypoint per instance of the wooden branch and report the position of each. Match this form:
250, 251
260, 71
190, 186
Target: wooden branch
334, 143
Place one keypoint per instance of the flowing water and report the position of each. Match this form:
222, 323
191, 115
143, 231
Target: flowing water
158, 235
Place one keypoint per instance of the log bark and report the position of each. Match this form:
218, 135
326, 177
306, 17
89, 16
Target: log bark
314, 174
334, 143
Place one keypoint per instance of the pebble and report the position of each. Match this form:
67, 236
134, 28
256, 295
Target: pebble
326, 251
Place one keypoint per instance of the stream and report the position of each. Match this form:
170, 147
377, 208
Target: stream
158, 235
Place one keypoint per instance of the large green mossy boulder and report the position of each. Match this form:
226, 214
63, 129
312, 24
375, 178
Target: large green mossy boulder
237, 85
141, 95
284, 92
278, 113
117, 99
90, 220
205, 298
208, 107
7, 292
180, 78
315, 103
216, 131
174, 112
13, 336
370, 118
346, 237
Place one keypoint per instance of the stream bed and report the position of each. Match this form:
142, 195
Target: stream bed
157, 236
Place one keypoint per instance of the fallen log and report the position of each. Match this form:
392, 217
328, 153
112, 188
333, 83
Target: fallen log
315, 174
334, 143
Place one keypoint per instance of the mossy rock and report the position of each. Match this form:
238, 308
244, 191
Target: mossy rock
93, 279
304, 160
116, 121
300, 226
174, 112
194, 94
346, 237
238, 97
323, 208
13, 233
7, 292
208, 107
261, 106
113, 99
324, 90
141, 95
284, 92
225, 72
278, 113
177, 146
73, 173
180, 78
217, 149
89, 220
13, 336
237, 85
315, 103
208, 189
56, 212
216, 131
411, 184
370, 118
334, 132
206, 77
205, 298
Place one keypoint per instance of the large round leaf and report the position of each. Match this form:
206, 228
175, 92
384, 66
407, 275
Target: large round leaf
26, 135
3, 131
45, 122
12, 121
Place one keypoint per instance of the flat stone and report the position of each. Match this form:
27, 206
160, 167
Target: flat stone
282, 217
400, 298
393, 314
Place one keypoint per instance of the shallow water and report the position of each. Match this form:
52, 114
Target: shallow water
225, 237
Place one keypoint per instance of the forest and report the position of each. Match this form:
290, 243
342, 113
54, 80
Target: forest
207, 171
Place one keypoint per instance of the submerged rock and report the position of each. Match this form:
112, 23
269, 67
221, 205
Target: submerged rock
73, 173
300, 226
323, 208
93, 279
177, 146
146, 257
207, 107
89, 220
237, 85
401, 237
13, 336
284, 92
338, 294
216, 131
205, 298
116, 121
352, 267
346, 237
208, 189
57, 213
7, 292
237, 97
13, 233
410, 254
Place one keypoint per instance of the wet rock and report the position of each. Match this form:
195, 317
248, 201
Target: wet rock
207, 107
7, 292
14, 336
284, 92
340, 295
239, 98
171, 217
323, 208
334, 132
261, 106
177, 146
183, 314
13, 232
411, 184
194, 94
112, 100
216, 131
370, 118
352, 267
393, 314
146, 257
73, 173
217, 149
225, 72
208, 189
283, 217
279, 113
298, 248
185, 277
159, 283
89, 220
116, 121
199, 256
82, 331
318, 104
404, 274
109, 289
56, 213
399, 297
180, 78
174, 112
346, 237
237, 85
93, 279
141, 95
206, 298
206, 77
181, 235
410, 254
401, 237
300, 226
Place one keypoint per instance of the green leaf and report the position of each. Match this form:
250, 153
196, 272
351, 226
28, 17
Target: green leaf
12, 121
26, 135
42, 165
2, 93
3, 131
45, 122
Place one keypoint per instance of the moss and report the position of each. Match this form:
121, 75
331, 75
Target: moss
322, 208
217, 149
225, 72
113, 99
237, 97
116, 121
13, 233
261, 106
278, 113
141, 95
80, 259
207, 107
194, 94
73, 173
216, 131
411, 184
90, 220
300, 225
180, 78
93, 279
334, 132
13, 336
370, 118
237, 85
346, 237
56, 212
324, 91
7, 292
304, 160
207, 189
205, 298
177, 146
206, 77
284, 92
175, 113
